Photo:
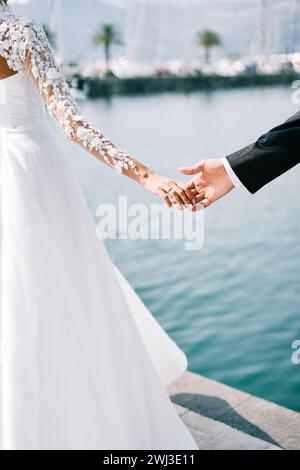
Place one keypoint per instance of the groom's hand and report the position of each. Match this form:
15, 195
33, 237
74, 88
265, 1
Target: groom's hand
210, 183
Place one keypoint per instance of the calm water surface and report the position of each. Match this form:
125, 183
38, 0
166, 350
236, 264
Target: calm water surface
234, 306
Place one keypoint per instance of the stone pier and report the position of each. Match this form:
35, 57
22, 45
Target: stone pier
223, 418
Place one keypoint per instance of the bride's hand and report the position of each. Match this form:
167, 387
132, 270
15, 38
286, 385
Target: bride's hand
172, 192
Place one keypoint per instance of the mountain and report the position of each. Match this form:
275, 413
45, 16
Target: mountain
166, 29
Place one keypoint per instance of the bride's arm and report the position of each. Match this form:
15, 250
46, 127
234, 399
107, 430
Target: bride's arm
43, 69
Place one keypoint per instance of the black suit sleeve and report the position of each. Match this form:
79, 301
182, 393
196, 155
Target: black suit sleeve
270, 156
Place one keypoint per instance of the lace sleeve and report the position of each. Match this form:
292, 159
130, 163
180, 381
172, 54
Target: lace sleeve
53, 88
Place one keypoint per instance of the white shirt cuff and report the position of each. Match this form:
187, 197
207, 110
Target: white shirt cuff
235, 180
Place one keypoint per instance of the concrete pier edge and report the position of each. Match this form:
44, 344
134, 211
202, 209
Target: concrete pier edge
223, 418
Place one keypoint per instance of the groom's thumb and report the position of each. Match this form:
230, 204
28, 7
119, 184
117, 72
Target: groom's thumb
192, 170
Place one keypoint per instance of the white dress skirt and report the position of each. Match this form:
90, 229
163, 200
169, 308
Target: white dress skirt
84, 364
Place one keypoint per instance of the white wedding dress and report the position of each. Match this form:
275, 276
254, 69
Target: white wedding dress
84, 364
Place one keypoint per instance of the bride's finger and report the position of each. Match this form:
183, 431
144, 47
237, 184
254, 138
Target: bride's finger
179, 196
190, 185
198, 207
168, 197
185, 196
199, 197
205, 203
188, 193
176, 200
165, 198
173, 196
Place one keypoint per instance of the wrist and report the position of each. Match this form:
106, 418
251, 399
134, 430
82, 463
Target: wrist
235, 181
145, 175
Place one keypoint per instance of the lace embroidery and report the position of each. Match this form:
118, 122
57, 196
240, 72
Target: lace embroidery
13, 39
24, 45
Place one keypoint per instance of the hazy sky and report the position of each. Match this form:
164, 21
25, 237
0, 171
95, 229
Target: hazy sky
179, 3
165, 29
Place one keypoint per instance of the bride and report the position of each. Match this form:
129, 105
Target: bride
84, 365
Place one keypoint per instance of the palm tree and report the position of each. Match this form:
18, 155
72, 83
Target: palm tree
50, 35
106, 35
207, 39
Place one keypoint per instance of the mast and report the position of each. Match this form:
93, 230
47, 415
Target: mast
295, 24
135, 20
57, 26
263, 26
